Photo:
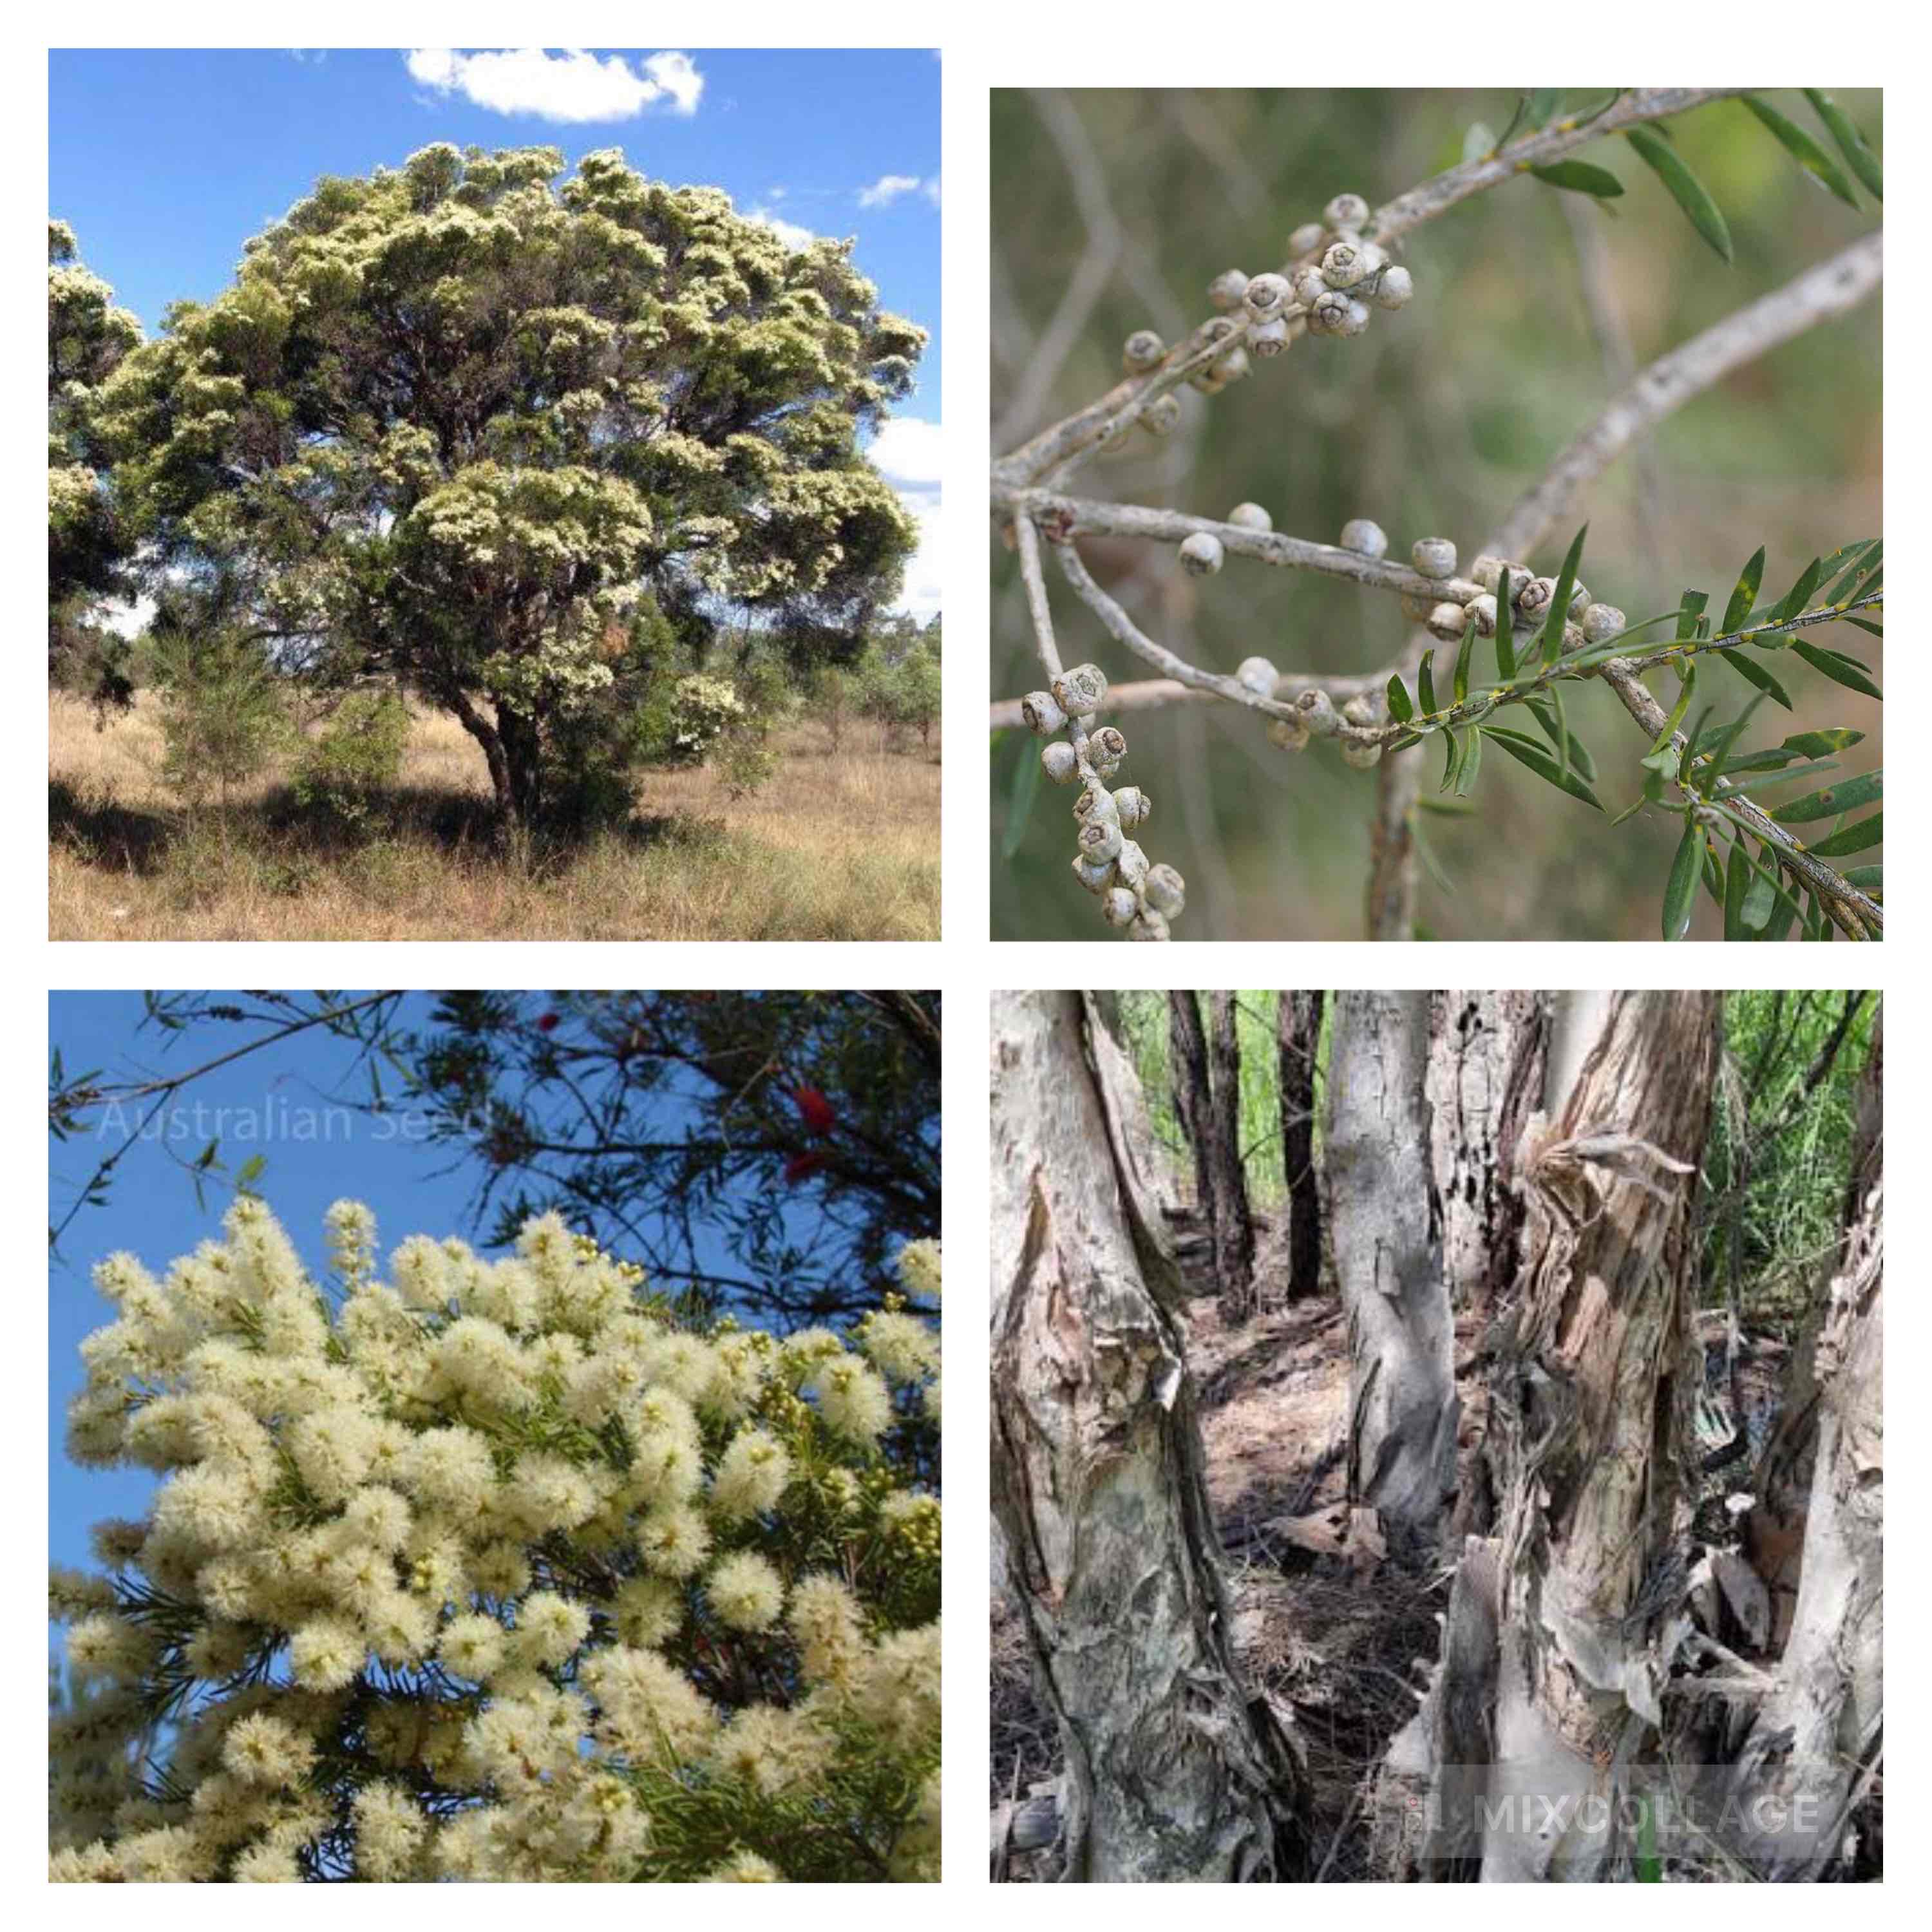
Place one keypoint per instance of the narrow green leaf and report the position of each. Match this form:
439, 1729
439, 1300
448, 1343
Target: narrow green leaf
1542, 104
1686, 189
1580, 177
1696, 732
1867, 878
1754, 673
1526, 751
1868, 556
1505, 630
1681, 889
1444, 807
1768, 780
1462, 657
1833, 799
1803, 149
1799, 745
1478, 142
1720, 747
1689, 610
1852, 144
1425, 682
1737, 884
1020, 796
1859, 838
1452, 756
1792, 601
1471, 764
1840, 669
1547, 709
1872, 630
1400, 707
1559, 604
1661, 743
1745, 595
1515, 121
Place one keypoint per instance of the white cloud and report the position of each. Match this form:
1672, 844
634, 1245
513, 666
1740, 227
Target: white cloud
906, 451
570, 85
930, 190
887, 190
923, 591
789, 232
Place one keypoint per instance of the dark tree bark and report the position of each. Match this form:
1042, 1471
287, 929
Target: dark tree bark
1193, 1105
1485, 1080
1298, 1031
1174, 1769
1235, 1233
1385, 1227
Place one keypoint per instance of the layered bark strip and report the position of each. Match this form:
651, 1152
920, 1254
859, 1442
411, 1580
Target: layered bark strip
1561, 1630
1173, 1771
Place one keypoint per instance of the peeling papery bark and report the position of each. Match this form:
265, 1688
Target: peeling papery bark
1558, 1631
1174, 1770
1233, 1233
1385, 1228
1588, 1414
1817, 1736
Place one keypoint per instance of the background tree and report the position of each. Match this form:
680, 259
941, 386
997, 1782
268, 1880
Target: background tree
452, 419
1298, 1034
88, 337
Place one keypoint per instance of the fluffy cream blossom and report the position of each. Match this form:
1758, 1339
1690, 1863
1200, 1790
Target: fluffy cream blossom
745, 1592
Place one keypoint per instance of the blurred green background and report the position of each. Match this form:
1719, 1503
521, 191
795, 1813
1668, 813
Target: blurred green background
1432, 424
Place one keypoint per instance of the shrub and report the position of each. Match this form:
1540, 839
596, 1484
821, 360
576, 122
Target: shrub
703, 710
358, 752
491, 1570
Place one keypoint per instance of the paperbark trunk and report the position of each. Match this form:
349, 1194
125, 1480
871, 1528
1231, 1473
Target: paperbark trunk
1173, 1770
1386, 1232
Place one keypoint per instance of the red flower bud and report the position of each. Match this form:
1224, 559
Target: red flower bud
546, 1023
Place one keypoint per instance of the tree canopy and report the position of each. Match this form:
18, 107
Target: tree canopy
88, 337
456, 425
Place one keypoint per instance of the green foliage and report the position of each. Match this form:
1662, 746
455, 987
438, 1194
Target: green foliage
358, 752
606, 383
1778, 1159
88, 339
224, 713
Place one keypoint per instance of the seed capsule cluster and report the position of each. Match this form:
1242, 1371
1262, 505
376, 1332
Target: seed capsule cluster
1135, 896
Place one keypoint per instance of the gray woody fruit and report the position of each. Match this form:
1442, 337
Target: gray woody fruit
1346, 211
1202, 554
1250, 517
1081, 691
1433, 557
1367, 538
1165, 890
1602, 622
1143, 350
1060, 761
1257, 675
1041, 711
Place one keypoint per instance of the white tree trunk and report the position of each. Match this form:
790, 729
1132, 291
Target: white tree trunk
1385, 1228
1173, 1770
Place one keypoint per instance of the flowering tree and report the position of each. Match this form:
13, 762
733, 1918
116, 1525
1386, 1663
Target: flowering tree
454, 420
490, 1570
87, 338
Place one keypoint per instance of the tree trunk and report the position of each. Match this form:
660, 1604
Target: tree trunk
1194, 1107
1298, 1027
1385, 1228
1557, 1631
1234, 1234
1174, 1770
1486, 1062
1816, 1739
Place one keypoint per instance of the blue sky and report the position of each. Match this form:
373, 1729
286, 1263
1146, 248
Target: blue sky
284, 1103
166, 161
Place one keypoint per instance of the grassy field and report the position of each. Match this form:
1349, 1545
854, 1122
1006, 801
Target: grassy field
843, 848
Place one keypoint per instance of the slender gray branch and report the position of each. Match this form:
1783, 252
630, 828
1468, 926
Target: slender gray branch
1552, 143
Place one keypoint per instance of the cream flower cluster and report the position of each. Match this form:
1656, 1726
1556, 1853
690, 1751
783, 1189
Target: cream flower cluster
487, 1570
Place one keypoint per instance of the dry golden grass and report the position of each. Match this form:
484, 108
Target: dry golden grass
844, 848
